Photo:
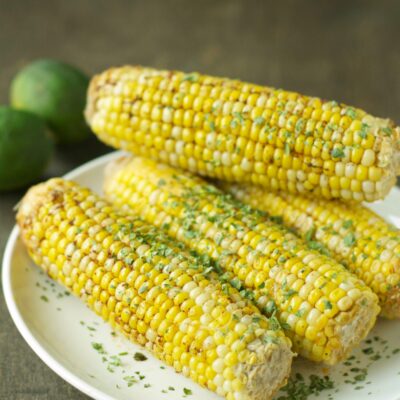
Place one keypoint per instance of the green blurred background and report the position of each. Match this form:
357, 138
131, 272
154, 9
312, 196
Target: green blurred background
343, 50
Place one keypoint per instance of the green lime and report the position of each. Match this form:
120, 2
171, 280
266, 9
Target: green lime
56, 92
25, 148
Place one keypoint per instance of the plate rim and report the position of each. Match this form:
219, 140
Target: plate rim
16, 315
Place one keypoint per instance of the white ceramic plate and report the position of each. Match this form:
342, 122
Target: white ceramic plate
63, 332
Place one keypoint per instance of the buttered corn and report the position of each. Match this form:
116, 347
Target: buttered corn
150, 288
242, 132
353, 234
323, 308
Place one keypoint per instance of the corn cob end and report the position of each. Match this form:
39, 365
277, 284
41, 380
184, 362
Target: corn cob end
391, 304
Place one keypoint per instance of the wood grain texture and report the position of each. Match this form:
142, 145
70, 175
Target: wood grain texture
348, 51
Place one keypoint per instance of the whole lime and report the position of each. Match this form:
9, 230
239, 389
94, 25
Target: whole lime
25, 148
56, 92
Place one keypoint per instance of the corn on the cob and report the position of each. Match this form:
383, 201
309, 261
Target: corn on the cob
324, 309
144, 284
241, 132
355, 236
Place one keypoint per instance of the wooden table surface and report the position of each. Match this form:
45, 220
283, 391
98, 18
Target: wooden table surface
343, 50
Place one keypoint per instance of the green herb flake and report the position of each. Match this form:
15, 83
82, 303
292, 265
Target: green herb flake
349, 240
328, 305
187, 392
98, 347
44, 298
130, 380
347, 224
351, 112
259, 121
387, 131
140, 357
161, 182
193, 77
310, 234
337, 153
368, 350
143, 289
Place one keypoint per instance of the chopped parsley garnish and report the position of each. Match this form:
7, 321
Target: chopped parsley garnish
44, 298
259, 120
289, 293
351, 112
143, 289
130, 380
140, 357
187, 392
162, 182
193, 77
328, 305
310, 234
347, 224
337, 153
387, 131
98, 347
349, 240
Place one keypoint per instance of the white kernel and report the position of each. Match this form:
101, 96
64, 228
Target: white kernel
227, 386
67, 268
218, 365
167, 115
354, 293
240, 328
180, 147
176, 132
202, 298
386, 255
188, 287
173, 159
226, 159
246, 165
151, 335
222, 350
345, 303
205, 319
211, 140
312, 276
368, 158
227, 108
368, 186
195, 292
141, 250
246, 319
154, 197
209, 343
313, 316
69, 250
350, 170
208, 306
